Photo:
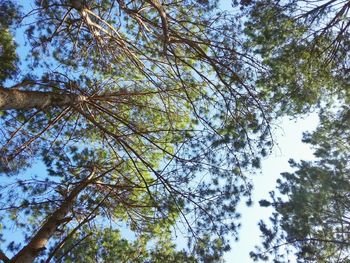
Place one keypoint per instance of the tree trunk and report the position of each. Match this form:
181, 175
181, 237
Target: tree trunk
13, 99
37, 244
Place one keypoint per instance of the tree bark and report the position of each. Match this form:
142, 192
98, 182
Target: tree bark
37, 244
13, 99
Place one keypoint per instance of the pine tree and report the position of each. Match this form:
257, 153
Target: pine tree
143, 116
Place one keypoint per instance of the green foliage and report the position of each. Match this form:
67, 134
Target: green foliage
303, 47
109, 246
8, 56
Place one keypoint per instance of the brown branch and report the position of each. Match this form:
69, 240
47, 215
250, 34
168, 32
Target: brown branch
163, 16
88, 218
21, 100
28, 142
3, 257
37, 244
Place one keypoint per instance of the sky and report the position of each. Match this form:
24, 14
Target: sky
288, 145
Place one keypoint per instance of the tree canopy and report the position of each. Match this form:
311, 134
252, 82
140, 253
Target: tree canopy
143, 117
147, 117
303, 46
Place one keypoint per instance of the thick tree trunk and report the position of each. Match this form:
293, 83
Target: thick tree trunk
13, 99
41, 238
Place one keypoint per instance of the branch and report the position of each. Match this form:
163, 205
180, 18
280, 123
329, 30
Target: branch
163, 16
37, 244
3, 257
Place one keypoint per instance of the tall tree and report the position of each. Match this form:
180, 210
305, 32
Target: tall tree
304, 45
311, 204
141, 113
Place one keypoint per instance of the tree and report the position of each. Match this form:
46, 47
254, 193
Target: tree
312, 203
303, 46
142, 114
